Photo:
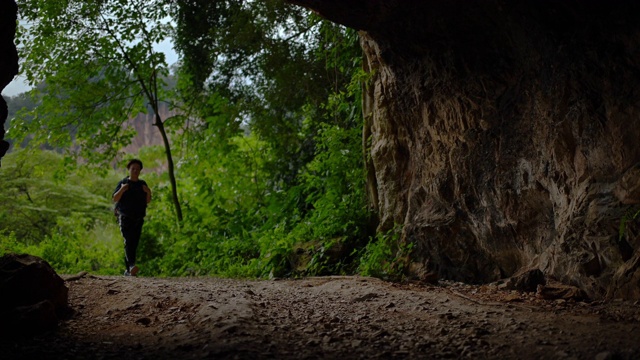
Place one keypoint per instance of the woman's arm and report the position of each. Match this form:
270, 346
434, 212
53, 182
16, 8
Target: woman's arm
118, 194
147, 191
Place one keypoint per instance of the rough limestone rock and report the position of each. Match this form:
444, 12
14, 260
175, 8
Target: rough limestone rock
33, 297
8, 60
527, 281
504, 134
559, 291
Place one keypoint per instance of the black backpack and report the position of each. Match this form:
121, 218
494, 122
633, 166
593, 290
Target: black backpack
115, 206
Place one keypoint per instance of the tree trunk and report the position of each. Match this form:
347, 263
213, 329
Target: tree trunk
504, 134
170, 166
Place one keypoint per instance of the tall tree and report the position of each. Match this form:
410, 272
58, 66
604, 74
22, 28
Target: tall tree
101, 67
294, 82
277, 62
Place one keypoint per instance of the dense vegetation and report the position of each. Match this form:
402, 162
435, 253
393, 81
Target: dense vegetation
268, 143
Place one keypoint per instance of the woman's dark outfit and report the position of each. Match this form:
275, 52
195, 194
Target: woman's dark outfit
131, 210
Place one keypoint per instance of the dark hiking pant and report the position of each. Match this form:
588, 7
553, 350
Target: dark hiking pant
131, 228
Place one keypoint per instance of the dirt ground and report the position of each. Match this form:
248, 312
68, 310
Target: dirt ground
326, 318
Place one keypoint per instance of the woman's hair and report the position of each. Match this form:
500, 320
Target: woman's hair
134, 161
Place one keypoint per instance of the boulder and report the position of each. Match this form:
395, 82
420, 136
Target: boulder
34, 298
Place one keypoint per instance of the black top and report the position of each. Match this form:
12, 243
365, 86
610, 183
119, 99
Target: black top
133, 202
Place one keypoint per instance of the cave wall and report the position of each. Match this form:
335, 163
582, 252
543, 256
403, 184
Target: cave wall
8, 60
504, 134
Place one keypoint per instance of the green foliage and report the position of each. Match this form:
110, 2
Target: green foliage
10, 244
35, 192
97, 63
386, 256
269, 148
334, 187
272, 176
99, 66
76, 246
276, 64
61, 215
18, 102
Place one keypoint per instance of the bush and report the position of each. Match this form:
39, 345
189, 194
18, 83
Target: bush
385, 257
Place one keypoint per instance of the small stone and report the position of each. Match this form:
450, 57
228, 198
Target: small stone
144, 321
365, 297
312, 342
512, 298
380, 333
605, 355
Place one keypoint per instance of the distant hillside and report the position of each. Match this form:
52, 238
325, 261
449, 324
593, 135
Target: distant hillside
147, 134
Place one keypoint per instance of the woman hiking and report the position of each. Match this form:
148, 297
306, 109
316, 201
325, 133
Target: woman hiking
131, 197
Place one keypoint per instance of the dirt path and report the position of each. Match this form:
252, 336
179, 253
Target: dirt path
327, 318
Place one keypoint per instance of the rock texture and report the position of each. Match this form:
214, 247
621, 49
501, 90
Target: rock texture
504, 134
8, 60
33, 298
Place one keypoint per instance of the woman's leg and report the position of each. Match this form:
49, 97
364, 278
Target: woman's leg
133, 248
131, 230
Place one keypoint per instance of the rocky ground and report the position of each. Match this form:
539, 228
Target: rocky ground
326, 318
